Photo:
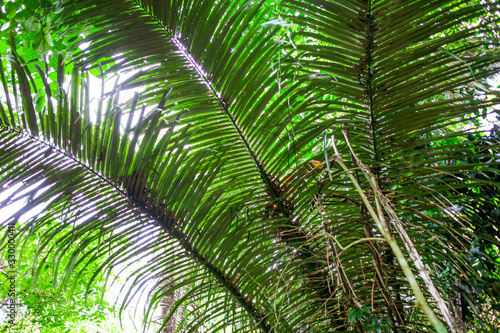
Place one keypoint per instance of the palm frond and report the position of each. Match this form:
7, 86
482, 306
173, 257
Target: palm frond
223, 161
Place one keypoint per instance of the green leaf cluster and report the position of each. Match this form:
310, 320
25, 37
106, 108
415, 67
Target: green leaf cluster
197, 138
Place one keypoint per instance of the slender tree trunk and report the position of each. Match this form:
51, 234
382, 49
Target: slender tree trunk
166, 302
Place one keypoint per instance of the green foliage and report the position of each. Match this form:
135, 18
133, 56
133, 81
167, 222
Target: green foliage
371, 323
43, 303
189, 144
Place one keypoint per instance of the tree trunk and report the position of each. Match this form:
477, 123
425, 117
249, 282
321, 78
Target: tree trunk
166, 302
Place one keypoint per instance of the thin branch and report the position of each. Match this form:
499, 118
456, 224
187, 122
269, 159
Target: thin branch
381, 200
356, 242
384, 230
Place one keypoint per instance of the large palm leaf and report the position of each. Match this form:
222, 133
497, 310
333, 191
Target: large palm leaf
227, 179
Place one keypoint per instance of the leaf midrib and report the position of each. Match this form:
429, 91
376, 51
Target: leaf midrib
177, 234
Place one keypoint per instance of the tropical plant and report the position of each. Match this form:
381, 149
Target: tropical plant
283, 166
45, 307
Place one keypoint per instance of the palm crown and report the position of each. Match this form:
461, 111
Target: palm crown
279, 165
